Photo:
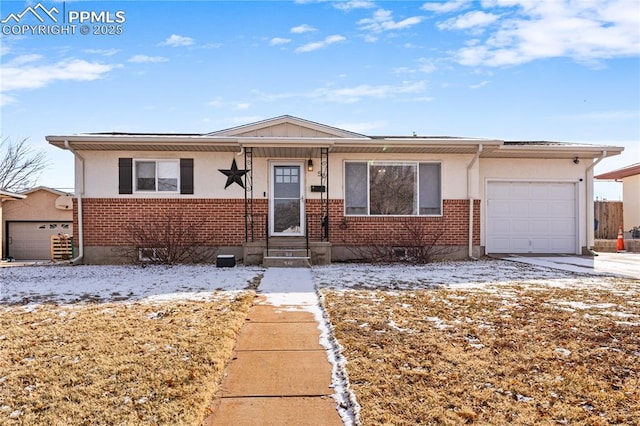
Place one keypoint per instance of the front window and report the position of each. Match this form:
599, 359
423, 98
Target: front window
157, 176
392, 189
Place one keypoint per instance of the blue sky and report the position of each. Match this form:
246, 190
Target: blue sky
507, 69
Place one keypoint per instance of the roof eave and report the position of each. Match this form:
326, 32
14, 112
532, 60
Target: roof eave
555, 151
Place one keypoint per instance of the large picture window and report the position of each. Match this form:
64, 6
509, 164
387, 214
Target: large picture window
158, 176
396, 189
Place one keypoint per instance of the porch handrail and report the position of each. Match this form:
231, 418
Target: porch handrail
266, 232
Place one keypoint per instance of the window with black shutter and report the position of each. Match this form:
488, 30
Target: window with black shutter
125, 175
186, 175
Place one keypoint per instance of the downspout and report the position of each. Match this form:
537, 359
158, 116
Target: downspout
470, 196
589, 236
79, 194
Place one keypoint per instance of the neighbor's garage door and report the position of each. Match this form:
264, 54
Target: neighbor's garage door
32, 240
531, 217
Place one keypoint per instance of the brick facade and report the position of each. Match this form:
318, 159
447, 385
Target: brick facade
222, 221
392, 230
107, 220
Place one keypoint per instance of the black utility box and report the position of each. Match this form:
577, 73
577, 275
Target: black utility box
225, 261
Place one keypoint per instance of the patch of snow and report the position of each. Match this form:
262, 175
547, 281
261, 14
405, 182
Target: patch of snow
583, 306
392, 324
32, 285
439, 324
522, 398
295, 289
486, 274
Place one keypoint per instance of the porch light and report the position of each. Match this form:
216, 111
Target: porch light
310, 165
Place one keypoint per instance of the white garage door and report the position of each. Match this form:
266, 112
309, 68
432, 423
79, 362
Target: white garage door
531, 217
32, 240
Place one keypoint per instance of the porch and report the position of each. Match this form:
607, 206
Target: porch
313, 248
294, 229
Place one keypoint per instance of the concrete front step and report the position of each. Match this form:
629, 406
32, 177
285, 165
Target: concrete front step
286, 262
286, 252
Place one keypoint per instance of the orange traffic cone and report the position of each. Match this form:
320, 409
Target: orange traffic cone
620, 244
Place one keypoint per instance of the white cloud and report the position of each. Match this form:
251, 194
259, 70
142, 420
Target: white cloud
240, 106
24, 59
586, 31
425, 65
6, 99
102, 52
446, 7
310, 47
217, 103
353, 4
178, 41
349, 95
23, 73
479, 85
469, 20
357, 93
211, 46
141, 59
276, 41
301, 29
383, 21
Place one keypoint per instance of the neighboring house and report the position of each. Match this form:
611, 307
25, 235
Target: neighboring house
29, 222
4, 197
289, 179
630, 177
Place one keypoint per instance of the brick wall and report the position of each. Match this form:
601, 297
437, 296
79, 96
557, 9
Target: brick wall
106, 221
361, 230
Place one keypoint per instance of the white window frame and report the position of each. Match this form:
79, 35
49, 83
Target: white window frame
156, 161
392, 163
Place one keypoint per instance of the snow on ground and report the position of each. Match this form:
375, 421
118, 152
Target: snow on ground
294, 289
617, 264
461, 274
289, 288
71, 284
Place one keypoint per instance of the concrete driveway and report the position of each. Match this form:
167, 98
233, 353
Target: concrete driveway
619, 264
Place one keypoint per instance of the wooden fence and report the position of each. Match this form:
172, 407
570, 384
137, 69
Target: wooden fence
608, 216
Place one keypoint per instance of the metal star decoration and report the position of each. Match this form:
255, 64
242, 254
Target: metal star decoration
234, 175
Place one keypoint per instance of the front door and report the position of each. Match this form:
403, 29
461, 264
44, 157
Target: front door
286, 210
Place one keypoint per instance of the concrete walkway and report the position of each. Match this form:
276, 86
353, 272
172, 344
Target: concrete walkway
280, 373
616, 264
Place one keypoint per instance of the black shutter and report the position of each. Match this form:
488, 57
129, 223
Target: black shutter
125, 175
186, 175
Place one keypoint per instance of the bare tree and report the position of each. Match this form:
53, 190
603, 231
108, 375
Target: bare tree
20, 165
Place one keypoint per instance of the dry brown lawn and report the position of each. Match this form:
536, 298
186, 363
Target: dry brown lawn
500, 354
116, 363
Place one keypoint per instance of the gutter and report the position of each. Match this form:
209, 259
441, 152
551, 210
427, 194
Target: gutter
471, 199
589, 203
79, 193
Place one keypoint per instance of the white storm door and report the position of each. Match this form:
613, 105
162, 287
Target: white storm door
286, 203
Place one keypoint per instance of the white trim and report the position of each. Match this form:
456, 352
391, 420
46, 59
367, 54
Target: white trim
302, 172
134, 175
